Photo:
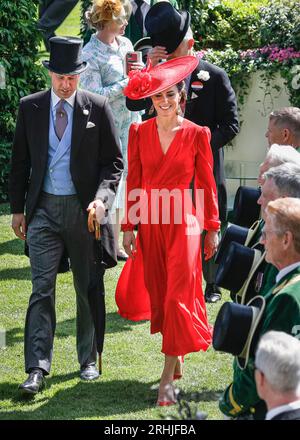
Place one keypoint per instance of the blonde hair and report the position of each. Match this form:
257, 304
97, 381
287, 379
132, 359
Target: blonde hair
103, 11
285, 213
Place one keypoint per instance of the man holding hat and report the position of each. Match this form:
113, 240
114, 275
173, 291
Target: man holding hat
136, 25
210, 101
66, 161
281, 239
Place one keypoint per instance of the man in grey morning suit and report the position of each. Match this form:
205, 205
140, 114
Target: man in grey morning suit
66, 160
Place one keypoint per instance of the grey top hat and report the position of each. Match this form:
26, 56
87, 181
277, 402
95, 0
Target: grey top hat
65, 56
236, 329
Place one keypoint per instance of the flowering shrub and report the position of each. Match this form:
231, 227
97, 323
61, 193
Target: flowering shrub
268, 61
280, 24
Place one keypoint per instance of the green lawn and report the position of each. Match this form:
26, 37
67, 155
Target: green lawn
132, 359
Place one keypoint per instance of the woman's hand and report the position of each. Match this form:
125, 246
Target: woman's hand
211, 243
129, 243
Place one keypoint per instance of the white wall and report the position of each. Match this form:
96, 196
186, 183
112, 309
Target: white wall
248, 149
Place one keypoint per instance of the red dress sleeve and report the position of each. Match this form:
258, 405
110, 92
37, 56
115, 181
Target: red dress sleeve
204, 179
134, 177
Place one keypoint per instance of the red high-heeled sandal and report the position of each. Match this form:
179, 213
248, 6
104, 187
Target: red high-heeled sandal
170, 392
165, 402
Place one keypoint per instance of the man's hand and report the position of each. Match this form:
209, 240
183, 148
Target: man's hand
211, 243
129, 243
156, 54
18, 224
99, 210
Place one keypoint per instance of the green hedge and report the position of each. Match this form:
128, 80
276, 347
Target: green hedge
19, 40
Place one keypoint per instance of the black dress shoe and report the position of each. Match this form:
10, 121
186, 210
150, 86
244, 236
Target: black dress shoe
34, 383
212, 293
89, 372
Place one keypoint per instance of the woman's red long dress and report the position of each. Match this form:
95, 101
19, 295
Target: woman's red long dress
164, 281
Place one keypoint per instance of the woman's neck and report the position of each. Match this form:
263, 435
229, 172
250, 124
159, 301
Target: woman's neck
168, 123
107, 37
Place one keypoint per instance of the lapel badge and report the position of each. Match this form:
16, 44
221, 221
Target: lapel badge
85, 112
197, 85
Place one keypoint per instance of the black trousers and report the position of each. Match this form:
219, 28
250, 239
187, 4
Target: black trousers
52, 13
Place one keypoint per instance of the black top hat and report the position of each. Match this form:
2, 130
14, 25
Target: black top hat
237, 328
144, 45
235, 265
234, 233
245, 209
166, 26
65, 56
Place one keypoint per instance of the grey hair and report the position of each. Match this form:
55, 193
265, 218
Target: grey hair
278, 358
279, 154
286, 178
288, 117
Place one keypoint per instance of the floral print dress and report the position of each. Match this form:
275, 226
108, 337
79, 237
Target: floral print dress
105, 76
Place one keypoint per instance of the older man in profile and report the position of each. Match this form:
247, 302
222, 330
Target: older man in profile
281, 238
277, 375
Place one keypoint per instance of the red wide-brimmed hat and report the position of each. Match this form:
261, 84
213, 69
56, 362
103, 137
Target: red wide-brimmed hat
152, 80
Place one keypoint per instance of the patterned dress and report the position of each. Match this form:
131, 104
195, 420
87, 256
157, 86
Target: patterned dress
105, 75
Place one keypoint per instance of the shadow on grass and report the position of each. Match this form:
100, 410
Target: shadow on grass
14, 247
64, 329
202, 396
21, 273
96, 399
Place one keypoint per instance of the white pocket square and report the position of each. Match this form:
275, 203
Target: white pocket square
90, 124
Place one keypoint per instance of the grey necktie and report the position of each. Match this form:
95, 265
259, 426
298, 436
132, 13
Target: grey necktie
61, 119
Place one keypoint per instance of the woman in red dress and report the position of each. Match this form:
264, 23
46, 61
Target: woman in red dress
165, 153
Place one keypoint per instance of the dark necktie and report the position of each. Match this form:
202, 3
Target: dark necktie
61, 119
139, 16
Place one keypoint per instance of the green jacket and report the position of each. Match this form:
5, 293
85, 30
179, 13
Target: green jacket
282, 313
133, 31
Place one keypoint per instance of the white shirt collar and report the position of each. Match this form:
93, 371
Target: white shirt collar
283, 408
55, 99
286, 270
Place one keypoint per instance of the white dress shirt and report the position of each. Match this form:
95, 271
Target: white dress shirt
286, 270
